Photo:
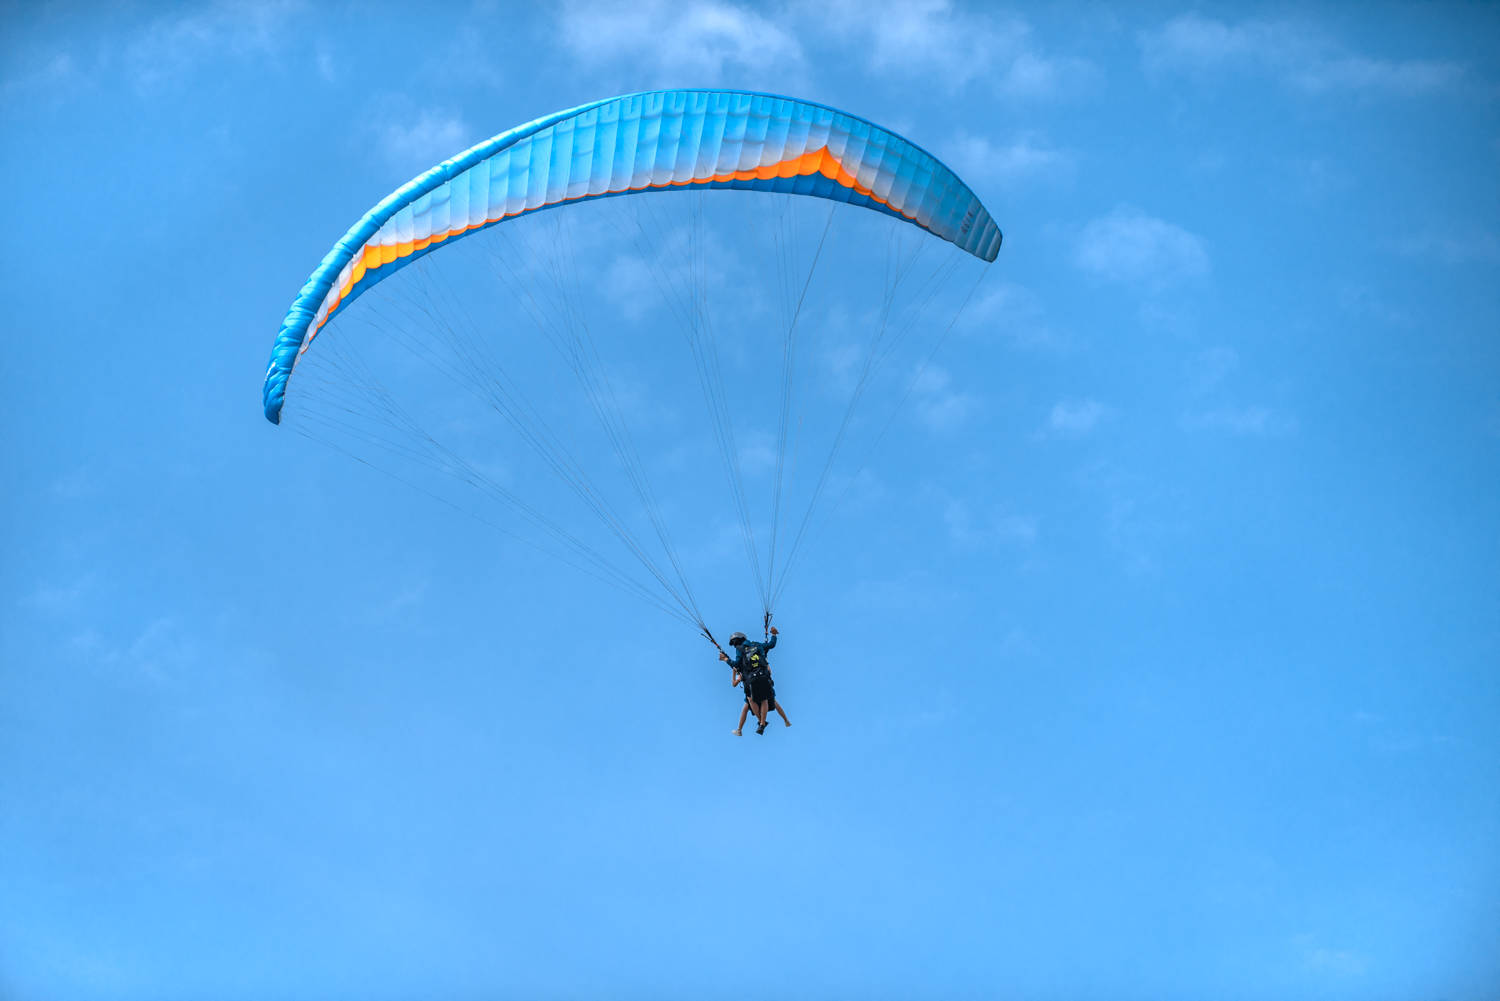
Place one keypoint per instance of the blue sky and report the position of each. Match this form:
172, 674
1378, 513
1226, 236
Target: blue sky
1154, 656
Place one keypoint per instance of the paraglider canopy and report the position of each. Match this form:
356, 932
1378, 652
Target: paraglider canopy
658, 140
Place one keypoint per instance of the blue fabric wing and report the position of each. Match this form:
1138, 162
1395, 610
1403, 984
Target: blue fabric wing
656, 140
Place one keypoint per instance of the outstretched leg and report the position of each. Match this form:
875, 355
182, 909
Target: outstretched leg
777, 706
744, 711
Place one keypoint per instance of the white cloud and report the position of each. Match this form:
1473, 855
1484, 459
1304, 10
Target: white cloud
176, 43
862, 491
917, 591
426, 139
757, 452
930, 38
1191, 41
1075, 418
1133, 517
1337, 961
1205, 375
938, 405
62, 599
1127, 245
948, 46
1298, 54
1210, 367
658, 273
1016, 643
842, 360
73, 485
1314, 177
1015, 313
703, 42
410, 595
1366, 303
326, 67
160, 651
167, 47
1473, 247
1249, 421
1022, 159
1340, 962
468, 58
993, 528
1177, 317
629, 279
1033, 76
1412, 76
1210, 161
1015, 529
38, 74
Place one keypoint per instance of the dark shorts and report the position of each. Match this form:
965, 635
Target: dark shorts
760, 689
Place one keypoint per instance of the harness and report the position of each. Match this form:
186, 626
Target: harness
753, 661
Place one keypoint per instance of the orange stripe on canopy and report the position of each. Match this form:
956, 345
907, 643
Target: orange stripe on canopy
818, 161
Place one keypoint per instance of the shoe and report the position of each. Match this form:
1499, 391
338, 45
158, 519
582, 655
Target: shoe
735, 732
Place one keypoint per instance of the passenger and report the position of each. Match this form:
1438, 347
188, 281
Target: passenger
752, 667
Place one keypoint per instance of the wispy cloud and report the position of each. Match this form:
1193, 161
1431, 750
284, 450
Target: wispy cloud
409, 595
841, 363
1025, 158
327, 67
950, 46
61, 599
157, 652
1015, 313
859, 491
1299, 54
1016, 643
1390, 738
413, 143
941, 707
757, 452
1075, 418
155, 55
34, 74
1471, 247
1323, 959
1208, 369
1366, 303
1205, 376
900, 594
1313, 177
928, 38
626, 278
646, 277
988, 528
938, 405
1136, 513
1129, 246
1247, 421
74, 485
1341, 961
1030, 75
705, 41
177, 43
